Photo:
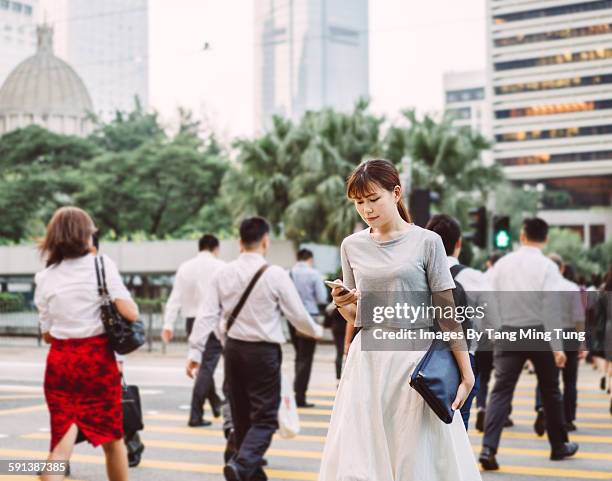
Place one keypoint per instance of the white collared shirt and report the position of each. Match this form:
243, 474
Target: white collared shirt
478, 292
260, 319
528, 271
67, 297
573, 312
192, 280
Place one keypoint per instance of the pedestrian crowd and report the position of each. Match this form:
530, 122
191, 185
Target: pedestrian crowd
239, 313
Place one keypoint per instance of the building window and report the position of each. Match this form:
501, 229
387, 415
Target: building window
16, 7
554, 133
553, 84
465, 95
552, 11
27, 9
546, 158
556, 35
4, 4
554, 109
599, 54
463, 113
343, 35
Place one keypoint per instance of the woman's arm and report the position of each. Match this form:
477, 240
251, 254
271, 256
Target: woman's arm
444, 299
127, 308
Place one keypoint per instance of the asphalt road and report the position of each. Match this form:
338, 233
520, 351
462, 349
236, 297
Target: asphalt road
179, 453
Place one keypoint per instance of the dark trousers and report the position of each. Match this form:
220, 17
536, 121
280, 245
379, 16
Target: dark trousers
484, 366
508, 367
467, 405
253, 378
569, 375
338, 329
304, 355
204, 386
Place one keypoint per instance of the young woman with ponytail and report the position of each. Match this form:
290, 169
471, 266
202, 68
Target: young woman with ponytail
381, 429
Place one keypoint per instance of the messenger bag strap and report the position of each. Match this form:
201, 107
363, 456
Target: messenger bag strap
232, 317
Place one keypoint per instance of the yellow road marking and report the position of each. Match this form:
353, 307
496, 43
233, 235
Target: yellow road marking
20, 396
29, 409
163, 465
585, 438
554, 472
285, 453
546, 453
523, 422
312, 476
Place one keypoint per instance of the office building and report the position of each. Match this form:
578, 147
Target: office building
550, 86
309, 54
17, 33
107, 43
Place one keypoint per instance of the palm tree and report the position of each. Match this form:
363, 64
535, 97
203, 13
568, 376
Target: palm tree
447, 161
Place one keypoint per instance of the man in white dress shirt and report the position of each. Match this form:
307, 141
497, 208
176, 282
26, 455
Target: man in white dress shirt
252, 346
525, 282
572, 321
191, 282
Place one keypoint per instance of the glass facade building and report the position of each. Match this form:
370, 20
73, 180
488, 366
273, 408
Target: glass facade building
108, 44
549, 86
309, 54
17, 33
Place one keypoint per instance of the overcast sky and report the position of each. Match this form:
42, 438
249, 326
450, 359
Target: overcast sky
412, 43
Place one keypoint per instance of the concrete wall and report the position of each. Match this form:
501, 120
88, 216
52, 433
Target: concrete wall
148, 257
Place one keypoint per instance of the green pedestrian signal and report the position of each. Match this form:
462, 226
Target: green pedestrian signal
502, 240
501, 232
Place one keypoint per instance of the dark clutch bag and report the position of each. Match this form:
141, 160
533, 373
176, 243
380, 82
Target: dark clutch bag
132, 410
123, 336
436, 378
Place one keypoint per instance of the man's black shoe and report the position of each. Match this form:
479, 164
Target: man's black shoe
231, 473
602, 383
304, 404
487, 459
215, 406
199, 423
570, 426
540, 423
563, 451
230, 446
480, 417
509, 423
263, 462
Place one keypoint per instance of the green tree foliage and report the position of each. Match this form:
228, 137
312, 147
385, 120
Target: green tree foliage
447, 160
153, 184
39, 171
569, 246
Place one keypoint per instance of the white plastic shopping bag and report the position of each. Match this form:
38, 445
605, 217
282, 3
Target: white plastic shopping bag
288, 419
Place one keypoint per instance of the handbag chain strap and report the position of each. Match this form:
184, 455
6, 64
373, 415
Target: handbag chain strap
101, 276
232, 317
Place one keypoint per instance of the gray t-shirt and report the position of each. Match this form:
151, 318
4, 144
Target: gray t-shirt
409, 267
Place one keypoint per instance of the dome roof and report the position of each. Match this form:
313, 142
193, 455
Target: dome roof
43, 84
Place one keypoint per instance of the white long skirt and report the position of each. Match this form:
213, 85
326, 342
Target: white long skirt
381, 429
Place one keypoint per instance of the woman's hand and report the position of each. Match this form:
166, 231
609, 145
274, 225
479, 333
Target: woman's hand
46, 337
342, 298
463, 391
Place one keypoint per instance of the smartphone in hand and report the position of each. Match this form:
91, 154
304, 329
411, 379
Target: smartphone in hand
338, 283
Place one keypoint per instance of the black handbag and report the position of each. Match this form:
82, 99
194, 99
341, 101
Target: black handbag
132, 410
436, 378
124, 336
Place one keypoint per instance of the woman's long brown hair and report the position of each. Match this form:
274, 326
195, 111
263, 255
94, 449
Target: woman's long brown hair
68, 235
376, 171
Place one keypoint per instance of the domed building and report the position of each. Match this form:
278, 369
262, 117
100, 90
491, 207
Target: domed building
44, 90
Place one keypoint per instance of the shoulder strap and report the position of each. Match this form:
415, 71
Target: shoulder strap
456, 269
100, 276
232, 318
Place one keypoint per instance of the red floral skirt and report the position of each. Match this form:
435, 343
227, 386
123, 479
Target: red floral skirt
83, 387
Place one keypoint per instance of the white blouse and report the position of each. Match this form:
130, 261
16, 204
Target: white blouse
67, 297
